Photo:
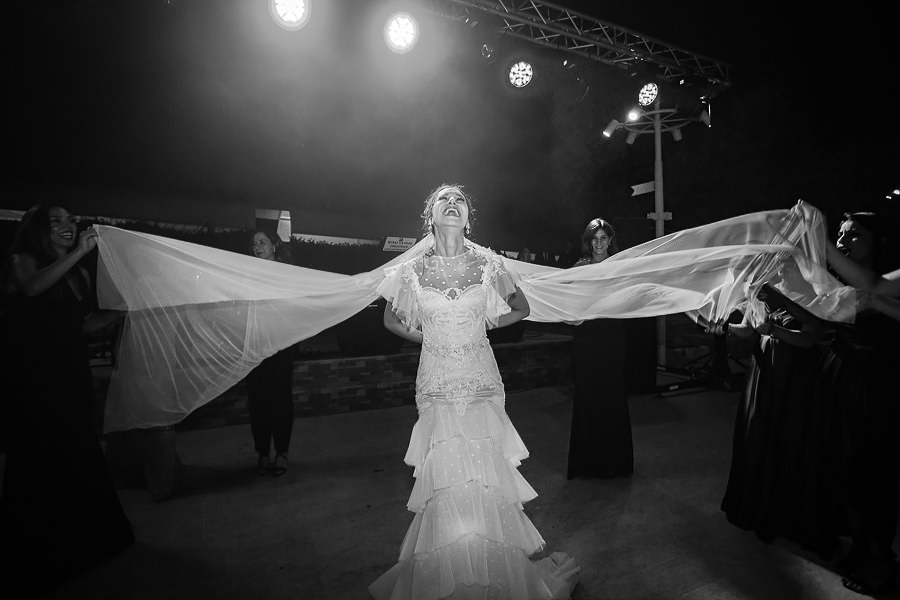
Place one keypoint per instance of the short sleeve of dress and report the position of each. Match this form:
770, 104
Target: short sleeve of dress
399, 288
500, 284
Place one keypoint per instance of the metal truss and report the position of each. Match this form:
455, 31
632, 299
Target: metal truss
570, 31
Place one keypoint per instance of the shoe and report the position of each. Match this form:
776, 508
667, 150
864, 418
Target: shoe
872, 578
280, 466
263, 465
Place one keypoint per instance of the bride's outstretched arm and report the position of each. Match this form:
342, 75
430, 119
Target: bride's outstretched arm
393, 324
518, 304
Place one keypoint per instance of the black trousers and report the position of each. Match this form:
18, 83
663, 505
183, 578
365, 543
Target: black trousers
270, 402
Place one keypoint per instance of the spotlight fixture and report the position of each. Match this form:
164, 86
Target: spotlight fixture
401, 32
648, 94
290, 14
613, 125
706, 111
521, 73
632, 135
634, 114
676, 134
568, 64
487, 53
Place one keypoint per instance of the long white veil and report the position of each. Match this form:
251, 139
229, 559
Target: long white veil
199, 319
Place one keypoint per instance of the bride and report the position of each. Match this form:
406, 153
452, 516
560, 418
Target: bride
469, 537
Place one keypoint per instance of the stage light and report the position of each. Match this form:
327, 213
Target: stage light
290, 14
613, 125
401, 32
634, 115
521, 74
568, 64
648, 94
487, 53
896, 191
706, 111
676, 134
632, 135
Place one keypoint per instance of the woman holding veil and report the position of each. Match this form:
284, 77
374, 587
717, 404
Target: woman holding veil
469, 537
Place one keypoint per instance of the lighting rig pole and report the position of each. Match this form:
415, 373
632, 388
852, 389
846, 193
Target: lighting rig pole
655, 121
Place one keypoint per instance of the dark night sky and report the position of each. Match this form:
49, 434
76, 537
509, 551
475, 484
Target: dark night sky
199, 111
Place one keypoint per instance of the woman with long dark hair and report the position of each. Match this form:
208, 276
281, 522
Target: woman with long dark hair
60, 510
860, 423
600, 442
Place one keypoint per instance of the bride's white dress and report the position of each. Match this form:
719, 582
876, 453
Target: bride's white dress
470, 537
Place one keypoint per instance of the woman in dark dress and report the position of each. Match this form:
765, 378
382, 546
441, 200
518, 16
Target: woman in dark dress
860, 422
270, 401
765, 491
600, 442
60, 510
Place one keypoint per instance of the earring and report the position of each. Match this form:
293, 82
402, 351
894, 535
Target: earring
468, 229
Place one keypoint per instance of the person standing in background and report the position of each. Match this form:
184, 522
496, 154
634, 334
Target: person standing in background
270, 401
600, 443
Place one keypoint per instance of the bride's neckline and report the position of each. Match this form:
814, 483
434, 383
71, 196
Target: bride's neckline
465, 252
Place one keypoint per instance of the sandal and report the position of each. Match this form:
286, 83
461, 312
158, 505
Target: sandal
263, 465
280, 466
864, 583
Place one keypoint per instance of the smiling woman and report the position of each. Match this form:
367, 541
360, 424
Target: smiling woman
469, 536
448, 201
60, 512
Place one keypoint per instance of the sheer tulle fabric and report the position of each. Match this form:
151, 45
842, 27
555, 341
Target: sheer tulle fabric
199, 319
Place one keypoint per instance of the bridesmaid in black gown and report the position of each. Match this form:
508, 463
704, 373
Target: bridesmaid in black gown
60, 510
600, 443
860, 420
765, 488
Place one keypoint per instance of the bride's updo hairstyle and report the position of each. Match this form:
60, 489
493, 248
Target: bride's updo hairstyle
428, 225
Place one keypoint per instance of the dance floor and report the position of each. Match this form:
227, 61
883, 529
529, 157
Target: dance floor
335, 521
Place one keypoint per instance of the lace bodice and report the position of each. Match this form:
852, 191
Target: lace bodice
453, 298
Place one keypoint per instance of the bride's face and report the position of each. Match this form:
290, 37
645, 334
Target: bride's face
450, 209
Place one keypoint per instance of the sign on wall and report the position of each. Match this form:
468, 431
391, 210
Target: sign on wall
398, 244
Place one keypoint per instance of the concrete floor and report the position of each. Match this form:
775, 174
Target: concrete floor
335, 521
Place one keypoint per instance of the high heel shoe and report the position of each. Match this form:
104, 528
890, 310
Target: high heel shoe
279, 467
263, 465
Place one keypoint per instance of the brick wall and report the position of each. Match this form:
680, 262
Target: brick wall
339, 385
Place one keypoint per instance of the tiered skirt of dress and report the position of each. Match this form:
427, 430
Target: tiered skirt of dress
470, 538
